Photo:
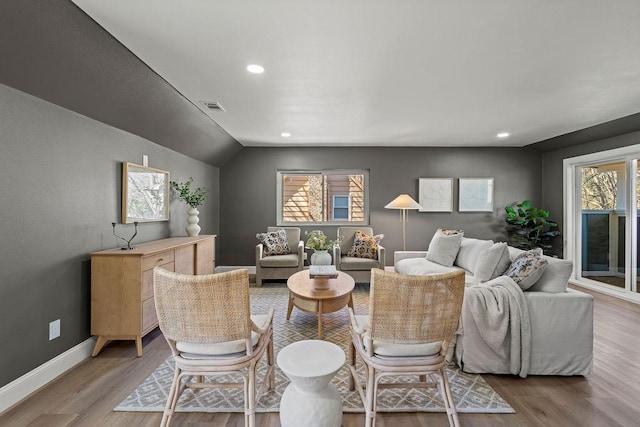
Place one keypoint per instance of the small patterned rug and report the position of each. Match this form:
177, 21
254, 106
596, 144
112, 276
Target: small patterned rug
471, 393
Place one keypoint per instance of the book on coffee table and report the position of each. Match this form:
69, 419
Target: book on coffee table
323, 272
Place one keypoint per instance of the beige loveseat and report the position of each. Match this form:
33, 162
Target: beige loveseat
561, 319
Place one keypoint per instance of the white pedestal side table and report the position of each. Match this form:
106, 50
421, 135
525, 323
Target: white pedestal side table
311, 400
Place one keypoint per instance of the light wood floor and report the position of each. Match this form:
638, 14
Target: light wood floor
86, 395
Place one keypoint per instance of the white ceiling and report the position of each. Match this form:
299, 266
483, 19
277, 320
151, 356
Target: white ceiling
405, 73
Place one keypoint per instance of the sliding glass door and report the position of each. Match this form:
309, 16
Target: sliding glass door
602, 203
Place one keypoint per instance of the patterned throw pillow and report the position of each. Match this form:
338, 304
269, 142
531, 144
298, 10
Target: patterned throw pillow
275, 242
365, 246
527, 268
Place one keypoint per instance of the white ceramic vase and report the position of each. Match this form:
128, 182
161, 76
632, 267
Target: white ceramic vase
193, 229
320, 258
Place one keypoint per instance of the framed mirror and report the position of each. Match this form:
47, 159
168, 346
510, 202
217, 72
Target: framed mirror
145, 194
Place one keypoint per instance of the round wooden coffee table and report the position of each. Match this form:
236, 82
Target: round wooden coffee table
319, 295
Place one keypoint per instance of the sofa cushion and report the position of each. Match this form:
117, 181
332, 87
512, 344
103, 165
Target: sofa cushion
355, 263
492, 262
469, 251
526, 269
444, 246
274, 242
289, 260
364, 245
421, 266
555, 276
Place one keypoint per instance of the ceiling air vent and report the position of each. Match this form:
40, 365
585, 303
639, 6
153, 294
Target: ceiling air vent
213, 106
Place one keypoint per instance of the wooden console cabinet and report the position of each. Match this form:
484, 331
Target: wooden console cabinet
122, 304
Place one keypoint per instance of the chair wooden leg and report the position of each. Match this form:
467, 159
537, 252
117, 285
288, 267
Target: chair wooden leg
171, 399
369, 404
250, 397
271, 362
352, 362
447, 397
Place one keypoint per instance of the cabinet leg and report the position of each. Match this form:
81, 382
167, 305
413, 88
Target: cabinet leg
100, 342
139, 345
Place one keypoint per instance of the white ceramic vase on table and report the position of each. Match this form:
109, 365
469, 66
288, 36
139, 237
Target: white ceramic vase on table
319, 257
193, 229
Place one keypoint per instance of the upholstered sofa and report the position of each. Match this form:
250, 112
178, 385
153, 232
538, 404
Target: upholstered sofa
560, 319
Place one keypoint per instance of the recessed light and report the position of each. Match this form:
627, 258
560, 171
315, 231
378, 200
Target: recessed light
285, 134
503, 135
255, 69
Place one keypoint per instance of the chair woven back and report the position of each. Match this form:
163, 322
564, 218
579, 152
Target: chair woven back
203, 309
415, 309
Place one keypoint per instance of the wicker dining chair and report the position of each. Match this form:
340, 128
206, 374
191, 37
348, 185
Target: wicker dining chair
411, 321
207, 322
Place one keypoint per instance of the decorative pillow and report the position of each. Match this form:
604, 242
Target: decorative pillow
492, 262
275, 242
444, 246
469, 251
555, 276
365, 246
526, 269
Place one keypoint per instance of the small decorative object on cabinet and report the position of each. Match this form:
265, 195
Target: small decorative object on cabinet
193, 198
122, 303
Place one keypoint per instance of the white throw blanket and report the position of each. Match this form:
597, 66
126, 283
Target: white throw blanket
495, 329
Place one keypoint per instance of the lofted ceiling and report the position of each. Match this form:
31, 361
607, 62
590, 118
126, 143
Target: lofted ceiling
392, 72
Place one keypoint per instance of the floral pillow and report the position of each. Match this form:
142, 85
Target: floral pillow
274, 242
527, 268
365, 246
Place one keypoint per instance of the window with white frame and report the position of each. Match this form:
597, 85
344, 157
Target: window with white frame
601, 220
323, 197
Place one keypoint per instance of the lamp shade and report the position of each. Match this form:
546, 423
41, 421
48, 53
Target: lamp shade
403, 201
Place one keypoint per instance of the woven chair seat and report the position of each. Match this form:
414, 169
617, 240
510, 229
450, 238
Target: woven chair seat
227, 348
382, 348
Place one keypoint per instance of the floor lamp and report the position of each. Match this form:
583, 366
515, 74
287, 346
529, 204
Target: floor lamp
404, 202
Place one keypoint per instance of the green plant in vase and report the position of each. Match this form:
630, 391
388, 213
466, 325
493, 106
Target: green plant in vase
193, 198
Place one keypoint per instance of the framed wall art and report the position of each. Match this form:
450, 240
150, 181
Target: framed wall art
145, 194
435, 194
475, 195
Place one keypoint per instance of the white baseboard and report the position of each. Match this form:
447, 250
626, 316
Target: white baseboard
30, 382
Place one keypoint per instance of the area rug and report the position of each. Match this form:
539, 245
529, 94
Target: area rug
471, 393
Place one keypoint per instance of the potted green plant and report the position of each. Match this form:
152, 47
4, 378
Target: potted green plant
530, 227
193, 198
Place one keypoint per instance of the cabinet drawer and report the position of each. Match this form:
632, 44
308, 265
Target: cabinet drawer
147, 280
149, 315
150, 261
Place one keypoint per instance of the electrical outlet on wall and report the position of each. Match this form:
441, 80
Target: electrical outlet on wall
54, 329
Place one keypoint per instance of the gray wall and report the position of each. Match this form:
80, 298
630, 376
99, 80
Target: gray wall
61, 186
248, 190
552, 170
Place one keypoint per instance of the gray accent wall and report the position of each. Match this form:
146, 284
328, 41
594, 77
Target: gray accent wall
53, 50
61, 189
248, 190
